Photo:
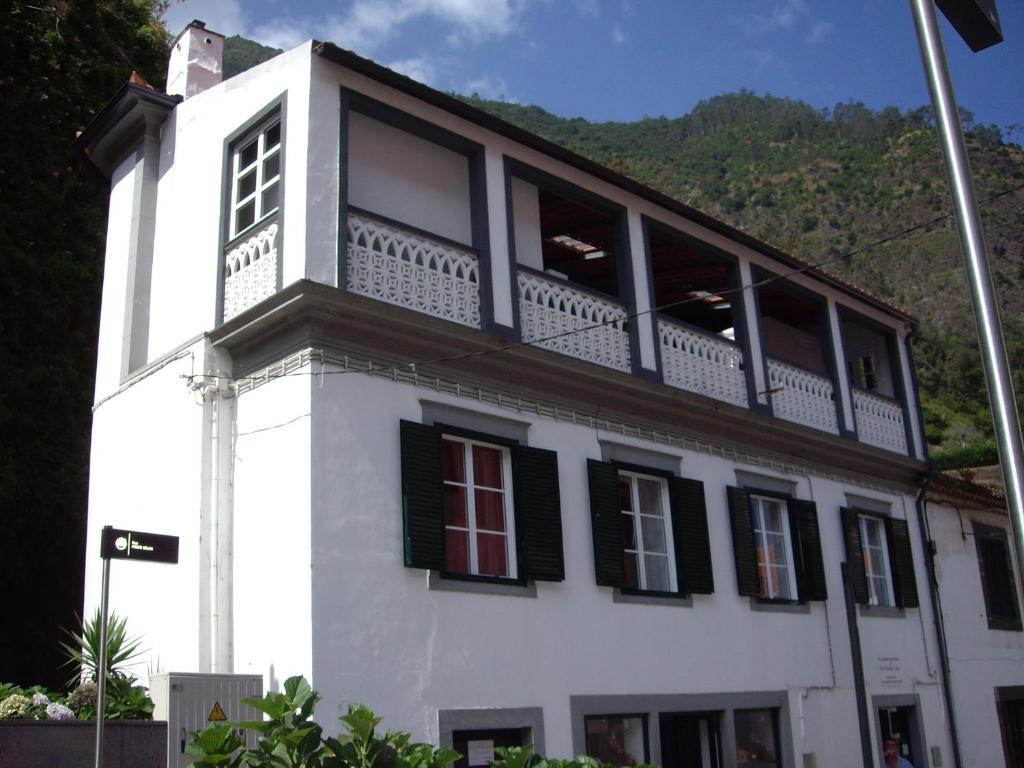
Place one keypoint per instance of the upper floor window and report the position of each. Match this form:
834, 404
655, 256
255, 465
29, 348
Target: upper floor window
777, 546
646, 533
880, 559
775, 570
650, 530
479, 507
997, 579
876, 560
255, 176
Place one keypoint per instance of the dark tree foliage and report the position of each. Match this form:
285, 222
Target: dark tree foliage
60, 61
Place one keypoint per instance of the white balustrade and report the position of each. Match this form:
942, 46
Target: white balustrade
702, 364
400, 267
802, 396
548, 309
879, 421
250, 272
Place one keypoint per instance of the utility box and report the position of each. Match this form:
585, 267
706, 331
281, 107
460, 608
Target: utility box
191, 701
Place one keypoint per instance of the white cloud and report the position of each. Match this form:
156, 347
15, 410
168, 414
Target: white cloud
820, 31
618, 36
786, 14
489, 87
421, 68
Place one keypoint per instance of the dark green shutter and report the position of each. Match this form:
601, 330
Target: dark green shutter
810, 567
606, 523
690, 536
855, 554
743, 544
538, 513
422, 497
902, 564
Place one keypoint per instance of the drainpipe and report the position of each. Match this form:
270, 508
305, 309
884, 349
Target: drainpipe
860, 688
940, 629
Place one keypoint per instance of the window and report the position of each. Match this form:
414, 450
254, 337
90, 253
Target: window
477, 506
880, 559
646, 533
255, 176
777, 546
650, 530
775, 570
617, 739
477, 512
876, 560
757, 739
997, 578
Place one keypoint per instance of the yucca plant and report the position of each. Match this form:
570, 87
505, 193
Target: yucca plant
84, 651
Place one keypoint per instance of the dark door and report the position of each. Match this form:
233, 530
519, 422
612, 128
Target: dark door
1011, 720
898, 723
690, 740
480, 744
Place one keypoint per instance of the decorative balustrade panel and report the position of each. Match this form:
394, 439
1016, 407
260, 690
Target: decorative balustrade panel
701, 364
802, 396
412, 271
548, 309
879, 421
250, 272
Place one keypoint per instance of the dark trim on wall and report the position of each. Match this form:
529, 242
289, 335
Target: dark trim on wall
769, 407
344, 108
829, 350
857, 661
481, 233
846, 373
513, 264
278, 104
922, 454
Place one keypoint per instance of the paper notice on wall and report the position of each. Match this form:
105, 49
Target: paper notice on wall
889, 668
480, 752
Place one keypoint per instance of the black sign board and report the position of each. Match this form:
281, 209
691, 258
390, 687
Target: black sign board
976, 21
136, 545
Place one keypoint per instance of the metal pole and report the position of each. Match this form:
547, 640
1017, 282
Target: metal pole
101, 664
972, 243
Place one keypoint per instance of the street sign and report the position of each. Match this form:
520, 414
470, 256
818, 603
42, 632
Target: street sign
136, 545
976, 21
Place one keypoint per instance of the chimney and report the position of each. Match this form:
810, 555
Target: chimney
197, 61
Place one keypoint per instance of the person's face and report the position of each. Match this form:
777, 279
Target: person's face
892, 750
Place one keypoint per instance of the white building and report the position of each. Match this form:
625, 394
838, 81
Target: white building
392, 370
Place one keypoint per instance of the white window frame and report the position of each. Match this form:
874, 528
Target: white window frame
756, 500
863, 521
507, 504
666, 519
237, 172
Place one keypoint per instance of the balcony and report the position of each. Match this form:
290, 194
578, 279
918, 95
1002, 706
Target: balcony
702, 363
399, 266
802, 396
550, 310
250, 271
879, 421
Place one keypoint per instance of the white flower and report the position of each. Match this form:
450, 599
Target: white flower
57, 711
39, 700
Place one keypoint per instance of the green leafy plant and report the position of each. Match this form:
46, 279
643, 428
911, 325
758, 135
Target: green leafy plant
216, 747
83, 653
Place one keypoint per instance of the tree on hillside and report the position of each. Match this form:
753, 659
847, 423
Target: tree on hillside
60, 61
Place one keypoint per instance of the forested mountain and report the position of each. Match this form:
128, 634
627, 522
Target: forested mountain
828, 184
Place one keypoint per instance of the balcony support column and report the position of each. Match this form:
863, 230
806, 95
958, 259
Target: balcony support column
493, 216
646, 357
756, 365
913, 419
844, 397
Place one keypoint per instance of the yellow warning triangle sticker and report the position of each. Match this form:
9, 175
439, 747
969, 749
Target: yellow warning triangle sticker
217, 714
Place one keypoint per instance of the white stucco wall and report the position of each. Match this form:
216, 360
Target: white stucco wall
409, 179
189, 201
981, 659
145, 474
526, 210
272, 626
115, 278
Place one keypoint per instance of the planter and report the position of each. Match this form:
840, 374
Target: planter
72, 744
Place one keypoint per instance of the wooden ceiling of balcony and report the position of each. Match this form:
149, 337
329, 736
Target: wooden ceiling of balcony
679, 270
559, 216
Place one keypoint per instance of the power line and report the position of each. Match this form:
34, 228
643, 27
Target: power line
809, 267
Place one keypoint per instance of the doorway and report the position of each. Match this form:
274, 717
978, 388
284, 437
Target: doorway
690, 740
900, 723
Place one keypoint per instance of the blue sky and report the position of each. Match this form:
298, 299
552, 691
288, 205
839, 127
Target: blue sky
623, 59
